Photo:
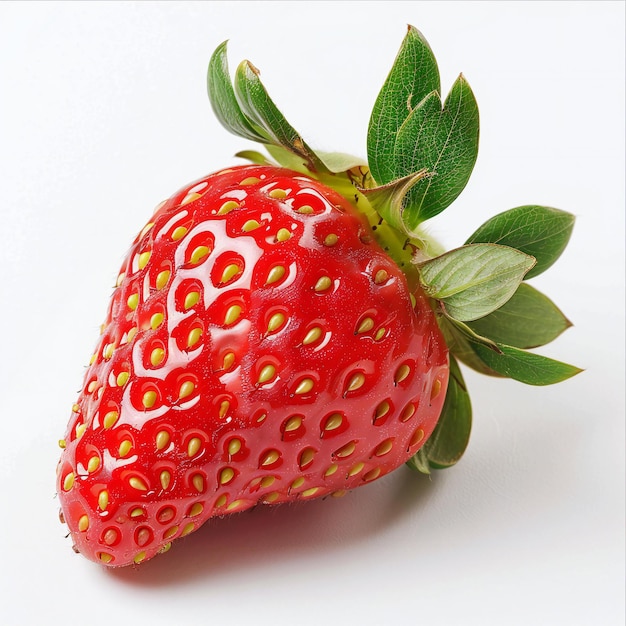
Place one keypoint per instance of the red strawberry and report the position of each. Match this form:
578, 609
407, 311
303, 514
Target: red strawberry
260, 347
285, 333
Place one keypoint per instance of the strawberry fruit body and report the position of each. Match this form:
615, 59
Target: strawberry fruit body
285, 330
260, 347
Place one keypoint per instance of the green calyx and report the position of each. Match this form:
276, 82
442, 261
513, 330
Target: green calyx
421, 152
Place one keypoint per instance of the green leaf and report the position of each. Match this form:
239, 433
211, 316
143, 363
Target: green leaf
528, 320
526, 367
445, 143
254, 157
413, 76
223, 100
540, 231
265, 117
419, 462
451, 435
474, 280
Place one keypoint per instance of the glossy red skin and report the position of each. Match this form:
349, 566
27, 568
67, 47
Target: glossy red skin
140, 521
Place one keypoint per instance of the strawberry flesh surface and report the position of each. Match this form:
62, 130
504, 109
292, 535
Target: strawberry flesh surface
260, 347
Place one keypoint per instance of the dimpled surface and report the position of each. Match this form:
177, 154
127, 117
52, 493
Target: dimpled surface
259, 347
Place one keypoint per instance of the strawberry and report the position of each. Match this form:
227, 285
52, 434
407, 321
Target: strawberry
284, 330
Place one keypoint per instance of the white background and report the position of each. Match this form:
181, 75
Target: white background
103, 113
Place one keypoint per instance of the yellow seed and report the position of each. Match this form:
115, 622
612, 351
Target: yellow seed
92, 386
150, 225
149, 399
193, 447
131, 333
304, 386
170, 532
372, 474
230, 271
402, 372
221, 501
165, 548
68, 481
196, 509
193, 337
297, 483
83, 523
251, 180
103, 500
306, 458
186, 389
278, 194
308, 493
120, 279
190, 197
93, 358
413, 300
162, 439
226, 475
133, 301
384, 448
381, 410
275, 274
124, 448
137, 512
136, 483
275, 322
227, 207
179, 233
408, 413
436, 388
380, 333
80, 430
234, 445
165, 478
312, 336
418, 435
365, 325
293, 423
354, 470
105, 558
270, 458
75, 408
356, 382
271, 497
333, 422
305, 209
110, 419
108, 351
162, 279
229, 360
346, 450
198, 482
156, 320
187, 528
122, 379
323, 284
261, 418
331, 469
330, 240
62, 444
266, 374
267, 481
93, 464
381, 276
157, 356
232, 314
191, 299
235, 504
139, 557
224, 407
144, 257
283, 235
250, 225
340, 493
